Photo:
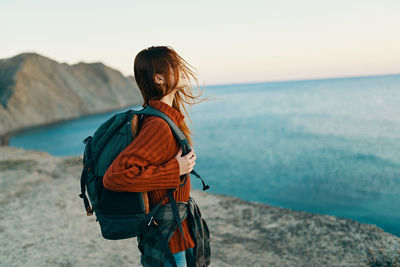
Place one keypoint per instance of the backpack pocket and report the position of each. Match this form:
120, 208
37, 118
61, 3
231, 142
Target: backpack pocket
114, 227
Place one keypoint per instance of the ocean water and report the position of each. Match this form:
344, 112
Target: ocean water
327, 146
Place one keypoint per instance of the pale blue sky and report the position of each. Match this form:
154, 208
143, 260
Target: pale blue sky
226, 41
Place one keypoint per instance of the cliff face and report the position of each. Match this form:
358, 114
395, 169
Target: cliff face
43, 223
37, 90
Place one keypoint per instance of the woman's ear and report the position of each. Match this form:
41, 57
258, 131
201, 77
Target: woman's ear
158, 78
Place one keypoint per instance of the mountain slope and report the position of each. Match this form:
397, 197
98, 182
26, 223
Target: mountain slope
37, 90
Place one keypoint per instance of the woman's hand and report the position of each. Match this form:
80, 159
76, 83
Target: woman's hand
186, 162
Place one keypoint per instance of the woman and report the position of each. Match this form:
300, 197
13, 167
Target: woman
153, 162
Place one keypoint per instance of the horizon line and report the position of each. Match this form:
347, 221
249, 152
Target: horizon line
308, 79
211, 84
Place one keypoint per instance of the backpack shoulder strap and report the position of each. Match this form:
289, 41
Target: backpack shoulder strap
135, 131
135, 125
180, 136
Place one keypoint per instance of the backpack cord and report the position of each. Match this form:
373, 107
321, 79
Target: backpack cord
205, 187
86, 168
88, 208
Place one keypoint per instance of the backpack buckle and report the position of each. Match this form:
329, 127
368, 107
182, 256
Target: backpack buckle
152, 220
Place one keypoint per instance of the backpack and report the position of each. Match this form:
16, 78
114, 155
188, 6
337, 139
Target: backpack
121, 215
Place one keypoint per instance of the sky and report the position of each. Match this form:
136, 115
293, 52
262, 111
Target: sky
225, 41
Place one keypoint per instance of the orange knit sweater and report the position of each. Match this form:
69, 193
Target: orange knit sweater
148, 164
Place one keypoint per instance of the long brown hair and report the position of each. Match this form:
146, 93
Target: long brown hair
163, 60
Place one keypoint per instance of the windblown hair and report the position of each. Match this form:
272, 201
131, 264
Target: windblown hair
163, 60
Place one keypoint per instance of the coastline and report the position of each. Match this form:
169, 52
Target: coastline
43, 217
23, 129
5, 136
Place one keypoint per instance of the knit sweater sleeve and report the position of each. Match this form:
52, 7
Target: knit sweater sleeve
138, 169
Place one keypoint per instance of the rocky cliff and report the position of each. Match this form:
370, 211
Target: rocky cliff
43, 223
37, 90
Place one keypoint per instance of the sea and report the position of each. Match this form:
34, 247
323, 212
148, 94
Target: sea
327, 146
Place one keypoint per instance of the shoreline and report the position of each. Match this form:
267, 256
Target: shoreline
10, 134
246, 200
38, 189
243, 199
5, 137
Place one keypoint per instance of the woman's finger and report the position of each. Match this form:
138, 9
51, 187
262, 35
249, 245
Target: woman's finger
190, 154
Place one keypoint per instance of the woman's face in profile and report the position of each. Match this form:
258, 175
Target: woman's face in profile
182, 79
159, 78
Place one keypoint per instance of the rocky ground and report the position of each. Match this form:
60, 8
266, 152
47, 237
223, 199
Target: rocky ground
43, 223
